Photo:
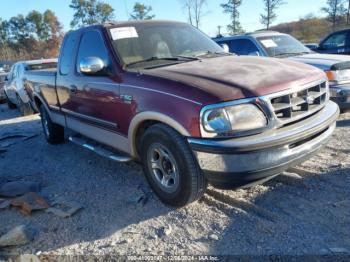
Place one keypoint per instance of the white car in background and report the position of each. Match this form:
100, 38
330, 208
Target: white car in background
15, 92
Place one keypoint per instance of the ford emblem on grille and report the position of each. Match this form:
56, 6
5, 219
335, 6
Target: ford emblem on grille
309, 99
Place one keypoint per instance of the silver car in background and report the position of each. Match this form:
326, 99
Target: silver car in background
3, 77
15, 92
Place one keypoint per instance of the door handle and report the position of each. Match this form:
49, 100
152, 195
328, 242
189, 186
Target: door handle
73, 89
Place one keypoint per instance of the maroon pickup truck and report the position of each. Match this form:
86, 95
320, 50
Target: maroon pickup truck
165, 94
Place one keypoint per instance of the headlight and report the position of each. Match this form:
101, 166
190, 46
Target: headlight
225, 121
339, 76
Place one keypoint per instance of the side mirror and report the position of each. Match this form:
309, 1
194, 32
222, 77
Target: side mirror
256, 53
91, 65
226, 48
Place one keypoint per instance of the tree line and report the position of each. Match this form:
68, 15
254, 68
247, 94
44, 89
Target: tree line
37, 35
337, 13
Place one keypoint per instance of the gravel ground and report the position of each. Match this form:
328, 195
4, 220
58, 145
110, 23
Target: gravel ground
304, 212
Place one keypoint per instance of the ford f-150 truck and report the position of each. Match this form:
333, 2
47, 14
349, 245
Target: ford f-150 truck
165, 94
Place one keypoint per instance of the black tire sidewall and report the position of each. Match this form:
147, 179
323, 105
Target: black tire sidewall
21, 106
10, 105
44, 115
183, 192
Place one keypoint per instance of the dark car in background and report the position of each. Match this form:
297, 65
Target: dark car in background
335, 43
278, 45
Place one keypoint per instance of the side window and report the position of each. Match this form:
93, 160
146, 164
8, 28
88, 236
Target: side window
67, 53
21, 71
10, 74
243, 47
335, 40
92, 45
14, 72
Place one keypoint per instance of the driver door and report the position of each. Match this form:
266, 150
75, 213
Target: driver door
93, 99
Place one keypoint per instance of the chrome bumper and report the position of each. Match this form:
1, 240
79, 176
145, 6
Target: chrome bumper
241, 161
341, 95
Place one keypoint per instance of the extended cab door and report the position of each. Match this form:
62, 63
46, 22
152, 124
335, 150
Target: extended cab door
337, 43
88, 101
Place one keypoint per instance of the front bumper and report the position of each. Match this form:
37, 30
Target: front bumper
340, 94
238, 162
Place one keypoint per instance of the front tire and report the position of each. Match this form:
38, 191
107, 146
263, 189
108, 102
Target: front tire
170, 166
54, 133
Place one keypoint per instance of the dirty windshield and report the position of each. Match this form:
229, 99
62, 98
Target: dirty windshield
149, 45
283, 45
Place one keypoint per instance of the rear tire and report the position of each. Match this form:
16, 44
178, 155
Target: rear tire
25, 108
10, 105
170, 166
54, 133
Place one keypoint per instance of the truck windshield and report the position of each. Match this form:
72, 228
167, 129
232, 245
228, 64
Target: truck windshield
283, 45
151, 44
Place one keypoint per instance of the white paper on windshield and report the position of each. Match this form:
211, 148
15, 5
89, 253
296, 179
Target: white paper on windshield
123, 32
269, 43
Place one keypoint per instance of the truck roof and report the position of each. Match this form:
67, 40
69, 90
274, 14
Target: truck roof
264, 33
138, 22
110, 24
252, 34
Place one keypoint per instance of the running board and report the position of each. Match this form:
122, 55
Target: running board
99, 150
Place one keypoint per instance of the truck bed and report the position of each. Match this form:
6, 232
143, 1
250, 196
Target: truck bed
45, 77
42, 81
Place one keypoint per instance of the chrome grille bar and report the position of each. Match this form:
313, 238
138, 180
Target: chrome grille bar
296, 104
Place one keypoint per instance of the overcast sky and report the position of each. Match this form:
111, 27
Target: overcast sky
172, 9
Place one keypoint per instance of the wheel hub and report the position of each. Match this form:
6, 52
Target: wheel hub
163, 167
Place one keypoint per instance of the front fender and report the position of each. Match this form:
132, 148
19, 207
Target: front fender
151, 116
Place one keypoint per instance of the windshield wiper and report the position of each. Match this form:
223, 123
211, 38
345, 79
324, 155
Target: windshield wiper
214, 53
291, 53
172, 58
192, 58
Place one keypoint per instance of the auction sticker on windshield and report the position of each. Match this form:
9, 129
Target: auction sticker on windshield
123, 32
268, 43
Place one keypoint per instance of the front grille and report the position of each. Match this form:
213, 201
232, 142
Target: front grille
296, 105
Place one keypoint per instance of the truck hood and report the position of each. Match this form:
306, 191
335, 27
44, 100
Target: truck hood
235, 77
323, 61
